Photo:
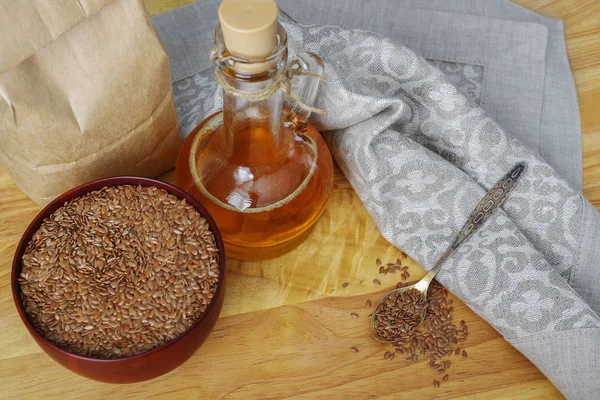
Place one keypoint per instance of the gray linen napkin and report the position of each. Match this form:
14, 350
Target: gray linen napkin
420, 153
527, 85
491, 49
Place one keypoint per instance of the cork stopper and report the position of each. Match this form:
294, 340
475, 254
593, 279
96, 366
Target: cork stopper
249, 29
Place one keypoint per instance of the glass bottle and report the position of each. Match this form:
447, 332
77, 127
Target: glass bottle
260, 168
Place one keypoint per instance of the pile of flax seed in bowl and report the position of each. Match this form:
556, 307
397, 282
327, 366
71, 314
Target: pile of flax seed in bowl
119, 271
437, 338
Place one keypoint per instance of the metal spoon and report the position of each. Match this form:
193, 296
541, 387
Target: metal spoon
492, 200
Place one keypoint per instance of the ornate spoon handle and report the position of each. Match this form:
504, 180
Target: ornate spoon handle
492, 200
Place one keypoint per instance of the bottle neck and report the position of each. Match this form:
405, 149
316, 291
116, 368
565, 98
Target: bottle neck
250, 122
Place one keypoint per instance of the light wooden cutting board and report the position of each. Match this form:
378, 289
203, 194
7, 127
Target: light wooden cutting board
286, 329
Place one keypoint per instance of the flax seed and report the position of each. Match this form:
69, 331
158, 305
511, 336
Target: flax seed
98, 259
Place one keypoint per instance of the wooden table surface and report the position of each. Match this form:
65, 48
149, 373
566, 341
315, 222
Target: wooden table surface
285, 329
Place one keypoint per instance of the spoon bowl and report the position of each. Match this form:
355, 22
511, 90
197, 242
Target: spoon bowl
421, 286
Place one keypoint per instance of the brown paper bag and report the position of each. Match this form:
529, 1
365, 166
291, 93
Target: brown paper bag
85, 93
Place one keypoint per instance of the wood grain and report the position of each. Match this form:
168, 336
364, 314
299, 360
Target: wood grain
285, 328
303, 351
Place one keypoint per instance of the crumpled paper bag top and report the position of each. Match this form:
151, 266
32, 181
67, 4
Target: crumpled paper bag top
85, 93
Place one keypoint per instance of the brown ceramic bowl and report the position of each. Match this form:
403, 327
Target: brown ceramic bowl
145, 365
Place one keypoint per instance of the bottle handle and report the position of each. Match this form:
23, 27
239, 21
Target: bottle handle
307, 73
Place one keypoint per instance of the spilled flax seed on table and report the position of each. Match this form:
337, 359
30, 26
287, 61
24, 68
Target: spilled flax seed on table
119, 271
436, 338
